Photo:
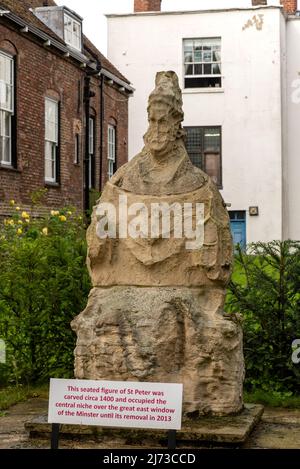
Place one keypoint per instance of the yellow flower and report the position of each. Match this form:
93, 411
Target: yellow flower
20, 222
18, 208
27, 220
45, 231
54, 213
69, 213
2, 237
62, 218
25, 215
12, 202
10, 222
19, 231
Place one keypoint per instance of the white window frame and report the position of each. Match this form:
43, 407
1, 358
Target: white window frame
198, 60
51, 141
91, 148
111, 153
70, 37
6, 109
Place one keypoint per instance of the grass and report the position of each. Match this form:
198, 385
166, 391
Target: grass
275, 399
13, 394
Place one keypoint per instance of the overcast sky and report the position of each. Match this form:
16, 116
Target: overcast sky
93, 11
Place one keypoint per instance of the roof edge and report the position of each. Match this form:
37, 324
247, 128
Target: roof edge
188, 12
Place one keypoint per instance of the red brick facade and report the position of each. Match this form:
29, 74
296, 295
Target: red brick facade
146, 5
44, 72
289, 6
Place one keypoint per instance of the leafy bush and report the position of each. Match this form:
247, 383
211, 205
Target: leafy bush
265, 288
43, 285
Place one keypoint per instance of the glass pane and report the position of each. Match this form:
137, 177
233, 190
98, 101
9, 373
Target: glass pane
8, 98
111, 143
213, 168
212, 139
2, 95
188, 57
198, 56
189, 69
198, 44
194, 139
207, 69
50, 159
6, 69
188, 45
5, 124
51, 120
216, 69
216, 56
2, 67
5, 150
198, 69
207, 57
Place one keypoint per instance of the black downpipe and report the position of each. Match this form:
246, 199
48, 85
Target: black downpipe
101, 128
87, 96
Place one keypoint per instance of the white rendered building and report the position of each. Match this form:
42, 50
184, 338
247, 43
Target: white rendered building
239, 70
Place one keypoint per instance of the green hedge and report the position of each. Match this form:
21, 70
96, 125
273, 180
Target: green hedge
265, 288
43, 285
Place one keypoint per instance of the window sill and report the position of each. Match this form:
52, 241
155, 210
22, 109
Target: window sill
202, 90
9, 168
52, 184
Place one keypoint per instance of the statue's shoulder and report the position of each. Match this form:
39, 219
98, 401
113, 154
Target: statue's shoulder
125, 170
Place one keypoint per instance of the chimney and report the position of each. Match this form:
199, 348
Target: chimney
259, 2
141, 6
289, 6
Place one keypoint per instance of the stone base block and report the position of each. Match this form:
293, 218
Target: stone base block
233, 430
164, 335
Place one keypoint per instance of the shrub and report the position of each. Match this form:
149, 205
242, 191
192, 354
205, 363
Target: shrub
265, 289
43, 285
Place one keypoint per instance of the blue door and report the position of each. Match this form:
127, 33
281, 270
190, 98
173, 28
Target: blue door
238, 227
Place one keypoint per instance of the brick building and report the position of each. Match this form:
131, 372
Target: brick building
63, 108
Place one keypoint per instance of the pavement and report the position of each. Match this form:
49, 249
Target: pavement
278, 429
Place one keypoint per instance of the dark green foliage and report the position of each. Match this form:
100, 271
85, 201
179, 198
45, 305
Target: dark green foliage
43, 285
266, 289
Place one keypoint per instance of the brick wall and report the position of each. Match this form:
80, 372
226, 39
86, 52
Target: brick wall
115, 113
147, 5
289, 6
40, 73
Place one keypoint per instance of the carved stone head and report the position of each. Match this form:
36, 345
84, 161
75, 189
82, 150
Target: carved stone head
165, 115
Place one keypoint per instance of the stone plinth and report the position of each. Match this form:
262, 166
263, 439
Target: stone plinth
228, 430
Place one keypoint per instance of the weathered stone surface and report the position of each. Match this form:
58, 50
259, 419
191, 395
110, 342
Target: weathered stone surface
156, 310
163, 261
233, 429
163, 335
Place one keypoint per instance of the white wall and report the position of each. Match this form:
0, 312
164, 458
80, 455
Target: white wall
293, 100
248, 108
